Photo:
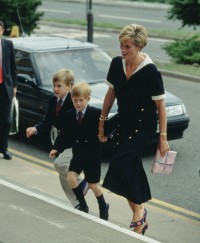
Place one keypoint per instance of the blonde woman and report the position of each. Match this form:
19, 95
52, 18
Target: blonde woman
135, 82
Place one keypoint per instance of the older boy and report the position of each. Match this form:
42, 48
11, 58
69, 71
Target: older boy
82, 129
58, 105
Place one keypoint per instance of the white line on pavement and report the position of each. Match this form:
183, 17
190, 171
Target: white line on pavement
75, 211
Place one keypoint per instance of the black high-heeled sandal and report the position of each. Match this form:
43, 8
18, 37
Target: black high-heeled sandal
145, 215
140, 222
144, 229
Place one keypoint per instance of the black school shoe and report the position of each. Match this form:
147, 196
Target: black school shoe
85, 210
103, 212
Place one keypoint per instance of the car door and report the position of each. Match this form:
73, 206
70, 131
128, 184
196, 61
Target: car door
33, 100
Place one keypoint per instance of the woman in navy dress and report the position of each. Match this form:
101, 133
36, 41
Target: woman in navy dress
135, 82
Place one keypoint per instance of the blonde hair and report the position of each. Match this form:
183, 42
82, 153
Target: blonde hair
81, 89
65, 75
135, 32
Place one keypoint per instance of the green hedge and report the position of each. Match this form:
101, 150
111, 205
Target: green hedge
186, 51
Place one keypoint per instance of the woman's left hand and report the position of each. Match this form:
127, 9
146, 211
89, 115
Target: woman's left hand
163, 146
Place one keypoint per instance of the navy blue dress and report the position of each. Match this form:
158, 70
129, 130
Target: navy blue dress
137, 127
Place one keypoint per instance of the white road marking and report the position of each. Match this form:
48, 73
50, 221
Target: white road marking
128, 18
67, 32
54, 11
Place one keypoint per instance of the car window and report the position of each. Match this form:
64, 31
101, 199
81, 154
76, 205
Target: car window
23, 62
90, 65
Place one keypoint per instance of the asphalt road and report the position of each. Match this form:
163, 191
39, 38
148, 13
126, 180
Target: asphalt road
152, 15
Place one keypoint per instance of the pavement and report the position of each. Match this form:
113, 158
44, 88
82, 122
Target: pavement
33, 207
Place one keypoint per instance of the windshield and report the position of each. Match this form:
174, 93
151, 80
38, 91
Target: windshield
89, 65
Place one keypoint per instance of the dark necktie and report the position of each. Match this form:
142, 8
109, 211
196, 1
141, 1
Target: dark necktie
58, 106
80, 117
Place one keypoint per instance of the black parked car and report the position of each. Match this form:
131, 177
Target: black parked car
38, 58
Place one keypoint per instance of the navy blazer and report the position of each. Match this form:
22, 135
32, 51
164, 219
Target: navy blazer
51, 119
9, 67
84, 136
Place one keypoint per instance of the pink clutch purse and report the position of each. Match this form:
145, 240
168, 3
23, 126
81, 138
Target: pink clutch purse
164, 165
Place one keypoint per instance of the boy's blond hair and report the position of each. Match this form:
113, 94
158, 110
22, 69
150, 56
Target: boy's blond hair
81, 89
65, 75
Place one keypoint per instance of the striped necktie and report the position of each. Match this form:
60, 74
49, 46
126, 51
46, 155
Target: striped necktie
58, 106
80, 117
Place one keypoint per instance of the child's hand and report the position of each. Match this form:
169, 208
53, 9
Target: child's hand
30, 131
53, 153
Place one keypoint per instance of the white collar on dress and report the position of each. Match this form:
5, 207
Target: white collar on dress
145, 62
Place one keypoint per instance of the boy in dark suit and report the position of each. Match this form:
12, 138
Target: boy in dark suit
82, 129
55, 115
58, 104
8, 89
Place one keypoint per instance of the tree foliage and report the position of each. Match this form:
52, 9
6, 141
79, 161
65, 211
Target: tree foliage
22, 13
185, 51
188, 11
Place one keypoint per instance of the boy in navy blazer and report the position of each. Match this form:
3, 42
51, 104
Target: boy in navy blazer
62, 84
82, 130
55, 116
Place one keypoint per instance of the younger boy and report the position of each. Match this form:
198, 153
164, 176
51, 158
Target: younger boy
58, 105
82, 128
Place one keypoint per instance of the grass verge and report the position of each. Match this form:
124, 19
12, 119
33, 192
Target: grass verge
159, 33
180, 68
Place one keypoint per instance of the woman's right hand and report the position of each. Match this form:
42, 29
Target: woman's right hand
101, 135
107, 105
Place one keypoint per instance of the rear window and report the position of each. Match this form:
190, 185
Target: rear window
23, 62
89, 65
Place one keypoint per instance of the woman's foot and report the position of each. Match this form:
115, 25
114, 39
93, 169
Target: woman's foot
141, 229
139, 222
